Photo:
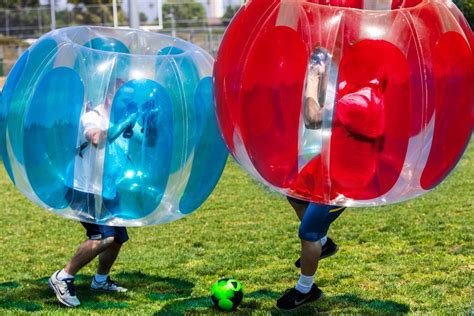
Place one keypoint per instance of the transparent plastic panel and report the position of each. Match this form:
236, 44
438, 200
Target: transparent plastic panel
50, 165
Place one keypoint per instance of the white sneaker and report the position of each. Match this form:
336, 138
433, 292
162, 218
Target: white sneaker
64, 289
107, 285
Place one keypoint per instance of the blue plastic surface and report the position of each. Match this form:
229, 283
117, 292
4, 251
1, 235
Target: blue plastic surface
7, 94
50, 134
210, 151
41, 56
107, 44
137, 163
179, 75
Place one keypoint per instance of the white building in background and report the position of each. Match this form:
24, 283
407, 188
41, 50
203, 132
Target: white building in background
215, 9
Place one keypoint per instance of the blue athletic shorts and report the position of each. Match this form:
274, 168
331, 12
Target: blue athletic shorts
85, 202
316, 219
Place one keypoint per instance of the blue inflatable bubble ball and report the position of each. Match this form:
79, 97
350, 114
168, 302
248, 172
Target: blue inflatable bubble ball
112, 126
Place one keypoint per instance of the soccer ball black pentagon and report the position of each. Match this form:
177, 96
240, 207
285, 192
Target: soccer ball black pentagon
227, 294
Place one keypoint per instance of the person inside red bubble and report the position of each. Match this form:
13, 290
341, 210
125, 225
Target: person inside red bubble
359, 114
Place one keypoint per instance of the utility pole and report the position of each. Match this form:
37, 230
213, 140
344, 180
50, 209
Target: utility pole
7, 22
173, 22
114, 12
133, 17
52, 5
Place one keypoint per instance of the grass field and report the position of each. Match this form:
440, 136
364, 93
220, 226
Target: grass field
413, 257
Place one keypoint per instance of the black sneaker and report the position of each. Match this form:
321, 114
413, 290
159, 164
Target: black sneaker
293, 298
329, 249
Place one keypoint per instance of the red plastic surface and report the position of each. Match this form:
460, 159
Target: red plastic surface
232, 55
454, 118
370, 132
271, 103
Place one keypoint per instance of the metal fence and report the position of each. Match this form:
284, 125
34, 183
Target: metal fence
30, 23
33, 22
24, 23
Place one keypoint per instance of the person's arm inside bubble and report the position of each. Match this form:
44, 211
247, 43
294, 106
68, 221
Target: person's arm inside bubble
125, 127
92, 131
314, 94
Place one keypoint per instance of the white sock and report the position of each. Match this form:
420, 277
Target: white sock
324, 240
64, 275
99, 278
304, 283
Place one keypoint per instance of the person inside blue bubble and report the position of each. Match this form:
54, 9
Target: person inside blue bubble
91, 195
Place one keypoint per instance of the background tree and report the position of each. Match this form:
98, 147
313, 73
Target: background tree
20, 16
143, 18
18, 4
186, 14
230, 11
94, 12
467, 7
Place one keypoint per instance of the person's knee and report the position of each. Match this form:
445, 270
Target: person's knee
307, 235
107, 241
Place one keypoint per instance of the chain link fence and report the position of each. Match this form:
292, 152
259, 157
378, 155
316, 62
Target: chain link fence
190, 20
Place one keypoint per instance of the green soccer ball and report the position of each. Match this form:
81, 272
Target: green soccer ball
227, 294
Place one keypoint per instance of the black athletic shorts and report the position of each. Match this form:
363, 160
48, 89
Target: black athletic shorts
96, 232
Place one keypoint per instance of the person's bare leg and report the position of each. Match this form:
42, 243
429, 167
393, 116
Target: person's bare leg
87, 251
300, 209
310, 253
107, 258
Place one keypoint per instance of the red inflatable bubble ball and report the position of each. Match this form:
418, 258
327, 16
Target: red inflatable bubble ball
347, 102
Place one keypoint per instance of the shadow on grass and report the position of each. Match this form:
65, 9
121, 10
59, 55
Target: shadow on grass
351, 303
203, 305
9, 285
175, 297
40, 297
347, 304
256, 301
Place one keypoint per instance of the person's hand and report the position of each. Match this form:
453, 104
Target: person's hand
313, 114
96, 136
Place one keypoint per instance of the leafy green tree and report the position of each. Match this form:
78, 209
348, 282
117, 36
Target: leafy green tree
18, 4
94, 12
22, 16
143, 17
467, 8
230, 11
184, 14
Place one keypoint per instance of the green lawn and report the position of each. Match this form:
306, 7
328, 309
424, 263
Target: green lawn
413, 257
